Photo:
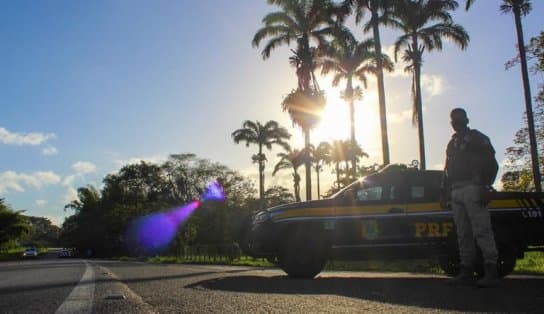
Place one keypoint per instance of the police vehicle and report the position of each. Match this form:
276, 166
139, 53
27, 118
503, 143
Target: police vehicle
392, 214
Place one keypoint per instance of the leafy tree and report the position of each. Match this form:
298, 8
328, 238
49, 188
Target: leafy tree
13, 225
101, 217
380, 14
292, 159
278, 195
265, 135
520, 8
424, 23
349, 60
302, 22
518, 175
42, 232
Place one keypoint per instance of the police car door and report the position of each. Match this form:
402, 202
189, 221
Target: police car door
427, 222
369, 215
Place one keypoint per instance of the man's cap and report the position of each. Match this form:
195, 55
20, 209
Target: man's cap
458, 114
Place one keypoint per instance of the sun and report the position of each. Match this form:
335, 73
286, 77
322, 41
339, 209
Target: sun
335, 121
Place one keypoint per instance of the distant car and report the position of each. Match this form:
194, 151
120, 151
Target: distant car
30, 252
64, 253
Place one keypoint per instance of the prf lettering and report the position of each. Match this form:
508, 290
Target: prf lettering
433, 229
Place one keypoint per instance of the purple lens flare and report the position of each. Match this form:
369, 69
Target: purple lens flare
153, 233
214, 192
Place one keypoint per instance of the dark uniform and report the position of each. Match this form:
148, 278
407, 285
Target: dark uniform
469, 171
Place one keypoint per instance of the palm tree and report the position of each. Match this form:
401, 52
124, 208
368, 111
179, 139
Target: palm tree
321, 156
521, 8
292, 159
349, 60
339, 154
302, 22
265, 135
425, 23
353, 152
380, 14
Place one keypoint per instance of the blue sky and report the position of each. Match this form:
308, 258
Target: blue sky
90, 85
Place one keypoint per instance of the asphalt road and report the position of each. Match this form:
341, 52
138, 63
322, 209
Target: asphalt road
37, 286
66, 286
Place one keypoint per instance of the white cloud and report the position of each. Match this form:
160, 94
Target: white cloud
40, 203
83, 167
49, 151
11, 180
400, 117
33, 138
68, 180
433, 85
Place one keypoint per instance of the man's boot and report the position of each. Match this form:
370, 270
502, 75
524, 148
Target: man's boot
491, 277
465, 277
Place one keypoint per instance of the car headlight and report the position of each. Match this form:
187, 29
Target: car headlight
261, 217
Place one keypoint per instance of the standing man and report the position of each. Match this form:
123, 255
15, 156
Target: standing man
470, 171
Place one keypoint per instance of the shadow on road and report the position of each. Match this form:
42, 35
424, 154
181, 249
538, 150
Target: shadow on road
31, 287
513, 295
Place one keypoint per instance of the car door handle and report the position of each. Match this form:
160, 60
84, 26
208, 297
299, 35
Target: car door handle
396, 210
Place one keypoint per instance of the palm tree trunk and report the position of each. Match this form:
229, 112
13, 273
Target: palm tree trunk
317, 174
308, 165
528, 105
261, 178
352, 125
338, 174
419, 110
296, 179
381, 87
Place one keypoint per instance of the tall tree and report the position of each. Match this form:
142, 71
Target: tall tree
12, 224
321, 156
519, 174
267, 135
292, 159
424, 23
349, 60
521, 8
380, 14
302, 22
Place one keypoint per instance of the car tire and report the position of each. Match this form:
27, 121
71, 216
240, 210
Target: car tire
304, 255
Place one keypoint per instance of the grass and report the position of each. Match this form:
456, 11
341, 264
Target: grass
415, 266
532, 263
241, 261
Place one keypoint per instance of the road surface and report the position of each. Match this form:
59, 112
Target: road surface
51, 285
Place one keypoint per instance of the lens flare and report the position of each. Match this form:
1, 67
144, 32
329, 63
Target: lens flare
153, 233
214, 192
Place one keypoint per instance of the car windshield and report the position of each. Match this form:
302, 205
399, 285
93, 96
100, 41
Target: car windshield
352, 186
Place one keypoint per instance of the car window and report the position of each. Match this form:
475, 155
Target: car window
372, 193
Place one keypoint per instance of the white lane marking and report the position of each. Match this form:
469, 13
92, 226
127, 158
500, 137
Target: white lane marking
80, 300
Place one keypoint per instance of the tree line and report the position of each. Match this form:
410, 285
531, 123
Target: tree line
101, 216
17, 229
